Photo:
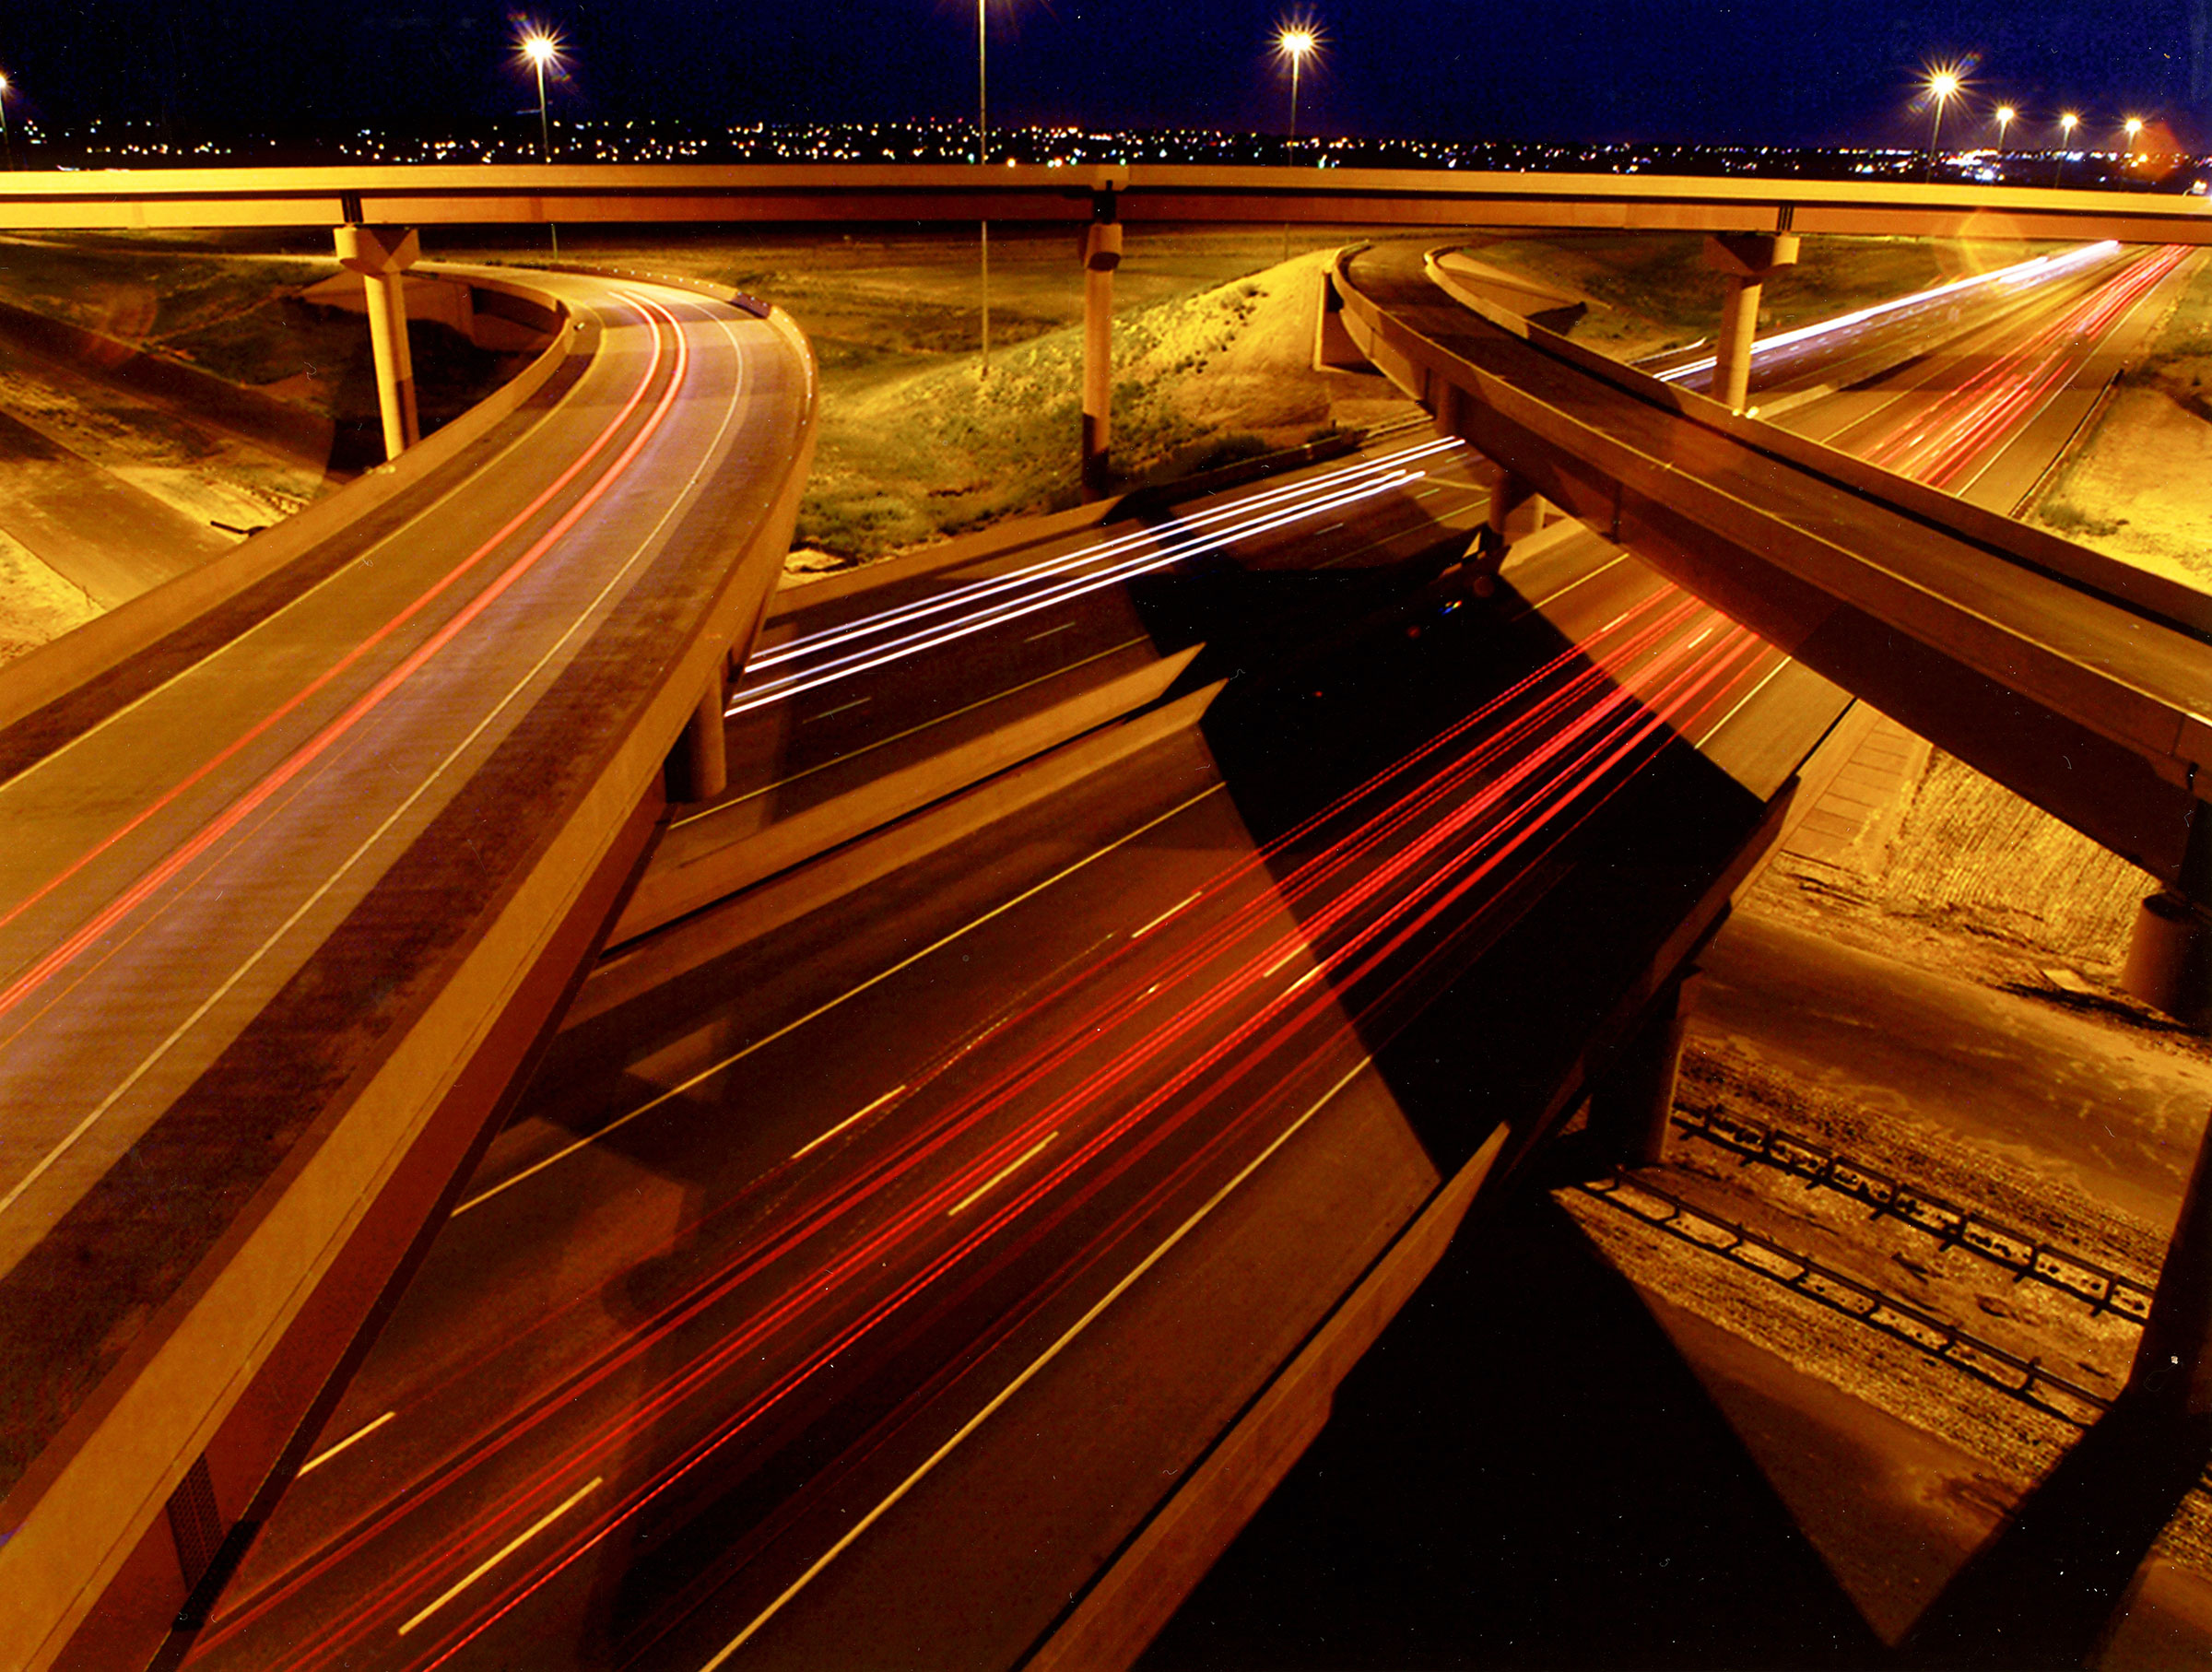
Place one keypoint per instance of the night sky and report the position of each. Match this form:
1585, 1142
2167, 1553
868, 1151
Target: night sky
1756, 71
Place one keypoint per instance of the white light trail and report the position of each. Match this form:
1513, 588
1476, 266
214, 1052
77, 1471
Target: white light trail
2033, 270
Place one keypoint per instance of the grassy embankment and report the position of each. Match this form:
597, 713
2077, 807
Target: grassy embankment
1212, 350
231, 305
2140, 485
1212, 358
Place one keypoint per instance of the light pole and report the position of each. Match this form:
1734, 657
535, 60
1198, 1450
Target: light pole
542, 49
2066, 124
1296, 43
2005, 115
2135, 131
982, 156
8, 145
1943, 85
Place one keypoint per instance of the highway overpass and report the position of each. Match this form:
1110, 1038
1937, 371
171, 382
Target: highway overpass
2080, 682
152, 769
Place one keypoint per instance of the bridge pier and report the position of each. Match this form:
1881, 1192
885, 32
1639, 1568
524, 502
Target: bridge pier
381, 255
1516, 511
705, 750
2169, 957
1744, 260
1632, 1107
1102, 255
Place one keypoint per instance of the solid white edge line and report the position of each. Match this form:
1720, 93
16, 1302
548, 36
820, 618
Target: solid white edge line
516, 1543
1745, 701
850, 1120
358, 1434
824, 1008
1035, 1368
1002, 1175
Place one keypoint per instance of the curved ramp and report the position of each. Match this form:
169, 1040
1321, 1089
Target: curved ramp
2080, 683
303, 857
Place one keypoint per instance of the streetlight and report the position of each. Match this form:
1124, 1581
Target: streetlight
542, 49
2135, 131
1943, 86
8, 145
2066, 124
1294, 44
2005, 115
982, 156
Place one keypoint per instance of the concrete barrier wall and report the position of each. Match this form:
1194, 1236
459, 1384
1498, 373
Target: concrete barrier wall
698, 865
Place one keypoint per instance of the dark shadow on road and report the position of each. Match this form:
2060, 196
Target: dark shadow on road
2052, 1581
1523, 1472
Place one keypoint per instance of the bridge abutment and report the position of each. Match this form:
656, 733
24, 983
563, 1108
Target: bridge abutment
1746, 260
381, 255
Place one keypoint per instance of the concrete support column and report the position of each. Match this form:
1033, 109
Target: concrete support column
1102, 255
1516, 511
1740, 325
2169, 957
2173, 1362
706, 743
381, 255
1631, 1108
1744, 260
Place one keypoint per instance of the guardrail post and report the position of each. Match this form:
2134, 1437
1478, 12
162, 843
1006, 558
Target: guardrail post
1102, 255
1745, 259
381, 255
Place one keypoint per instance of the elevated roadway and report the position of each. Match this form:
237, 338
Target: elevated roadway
819, 193
1065, 1009
291, 1085
305, 854
2081, 682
